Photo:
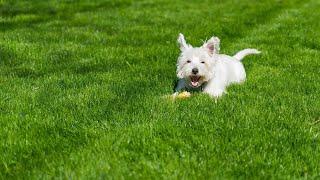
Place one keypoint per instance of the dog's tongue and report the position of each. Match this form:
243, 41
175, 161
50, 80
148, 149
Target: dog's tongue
194, 83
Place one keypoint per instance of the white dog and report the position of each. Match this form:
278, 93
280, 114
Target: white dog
204, 69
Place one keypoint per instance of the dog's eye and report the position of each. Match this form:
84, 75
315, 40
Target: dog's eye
188, 61
203, 62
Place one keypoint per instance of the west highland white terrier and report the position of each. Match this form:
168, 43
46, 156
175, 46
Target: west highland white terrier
204, 69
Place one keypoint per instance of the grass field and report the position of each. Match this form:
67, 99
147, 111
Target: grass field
81, 86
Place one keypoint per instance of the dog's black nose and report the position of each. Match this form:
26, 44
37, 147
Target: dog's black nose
195, 70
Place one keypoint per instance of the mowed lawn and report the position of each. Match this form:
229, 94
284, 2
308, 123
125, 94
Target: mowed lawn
82, 86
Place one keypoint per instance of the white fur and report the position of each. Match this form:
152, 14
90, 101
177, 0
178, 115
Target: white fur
217, 71
241, 54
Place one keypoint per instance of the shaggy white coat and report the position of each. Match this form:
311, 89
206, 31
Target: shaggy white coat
215, 71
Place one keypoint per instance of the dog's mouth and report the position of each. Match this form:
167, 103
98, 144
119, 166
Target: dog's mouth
194, 81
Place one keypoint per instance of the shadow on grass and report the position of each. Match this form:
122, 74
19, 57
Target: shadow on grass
46, 11
18, 15
13, 65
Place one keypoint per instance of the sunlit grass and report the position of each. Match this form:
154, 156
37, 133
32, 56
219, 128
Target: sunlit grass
82, 86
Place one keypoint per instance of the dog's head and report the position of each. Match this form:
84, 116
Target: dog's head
195, 64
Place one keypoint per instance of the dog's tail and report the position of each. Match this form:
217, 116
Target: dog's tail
241, 54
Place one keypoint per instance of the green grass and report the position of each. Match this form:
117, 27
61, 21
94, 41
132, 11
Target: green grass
81, 86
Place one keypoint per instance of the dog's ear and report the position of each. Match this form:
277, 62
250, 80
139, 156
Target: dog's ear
182, 42
212, 45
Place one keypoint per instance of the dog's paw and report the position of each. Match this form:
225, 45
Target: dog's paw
216, 93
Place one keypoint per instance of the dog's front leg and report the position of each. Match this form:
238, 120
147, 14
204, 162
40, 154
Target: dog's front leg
214, 89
